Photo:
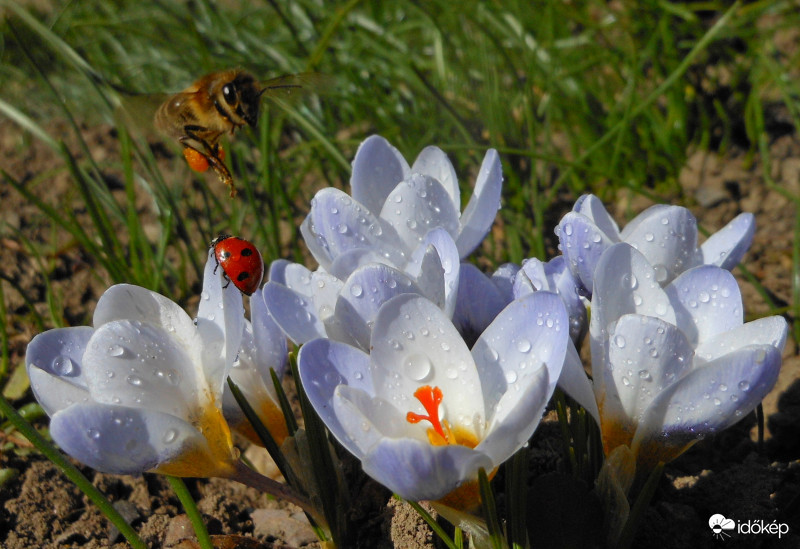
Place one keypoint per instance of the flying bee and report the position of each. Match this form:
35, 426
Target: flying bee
219, 103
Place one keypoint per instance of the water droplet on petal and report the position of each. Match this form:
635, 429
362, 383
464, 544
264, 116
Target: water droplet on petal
63, 366
723, 387
744, 385
511, 377
703, 297
523, 345
649, 237
645, 375
134, 380
417, 367
93, 433
620, 341
356, 290
115, 350
170, 436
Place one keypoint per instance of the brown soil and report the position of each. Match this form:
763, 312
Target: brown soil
725, 474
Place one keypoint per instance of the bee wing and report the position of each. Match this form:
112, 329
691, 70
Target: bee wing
291, 87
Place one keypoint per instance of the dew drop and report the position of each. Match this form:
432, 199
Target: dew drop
170, 436
356, 290
511, 377
717, 401
417, 367
115, 350
205, 296
649, 237
568, 229
723, 387
63, 366
451, 373
744, 385
703, 297
645, 375
523, 345
626, 382
93, 434
134, 380
620, 341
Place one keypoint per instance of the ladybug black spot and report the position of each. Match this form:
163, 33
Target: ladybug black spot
247, 252
243, 276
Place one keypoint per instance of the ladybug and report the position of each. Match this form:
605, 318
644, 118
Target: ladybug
240, 261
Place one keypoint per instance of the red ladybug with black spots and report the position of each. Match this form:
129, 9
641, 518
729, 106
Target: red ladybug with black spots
240, 261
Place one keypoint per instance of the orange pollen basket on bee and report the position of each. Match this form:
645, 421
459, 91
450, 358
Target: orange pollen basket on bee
430, 398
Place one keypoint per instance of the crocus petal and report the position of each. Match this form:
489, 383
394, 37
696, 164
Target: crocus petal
416, 206
131, 363
726, 247
576, 383
363, 294
479, 302
337, 223
446, 264
367, 419
582, 244
345, 264
220, 324
54, 361
324, 365
528, 335
519, 411
504, 278
708, 399
772, 330
483, 205
377, 169
418, 471
636, 291
645, 355
129, 302
667, 237
592, 207
707, 301
413, 344
295, 314
434, 162
120, 440
270, 342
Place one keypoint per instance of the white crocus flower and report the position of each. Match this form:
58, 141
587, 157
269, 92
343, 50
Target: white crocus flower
394, 206
674, 364
422, 411
665, 235
141, 390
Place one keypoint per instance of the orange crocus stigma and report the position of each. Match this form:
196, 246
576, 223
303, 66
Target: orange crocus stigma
431, 398
440, 433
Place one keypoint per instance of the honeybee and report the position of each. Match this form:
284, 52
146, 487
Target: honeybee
219, 103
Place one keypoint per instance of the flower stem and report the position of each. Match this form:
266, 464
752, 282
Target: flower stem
247, 476
190, 506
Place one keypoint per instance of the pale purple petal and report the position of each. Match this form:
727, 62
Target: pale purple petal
366, 419
129, 302
582, 244
727, 246
711, 398
771, 330
417, 471
324, 365
377, 169
593, 208
529, 334
416, 206
293, 313
518, 414
364, 292
645, 356
271, 349
667, 237
448, 262
482, 208
120, 440
337, 223
479, 302
220, 324
434, 162
576, 383
54, 362
707, 302
131, 363
414, 344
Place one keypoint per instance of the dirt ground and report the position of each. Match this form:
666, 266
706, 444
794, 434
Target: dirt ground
725, 474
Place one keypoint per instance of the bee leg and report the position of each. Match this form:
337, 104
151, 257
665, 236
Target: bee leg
211, 154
